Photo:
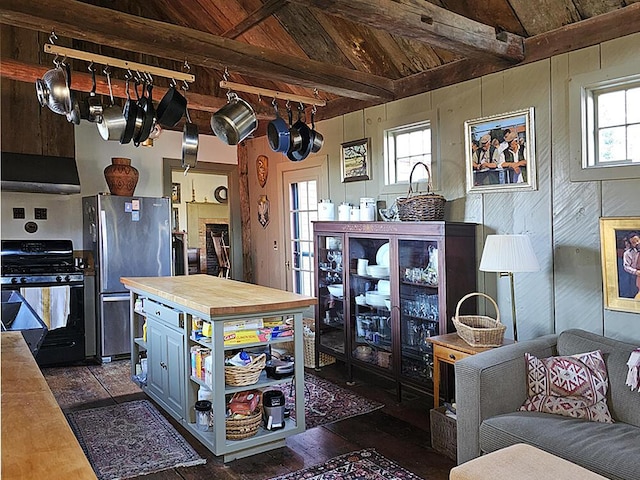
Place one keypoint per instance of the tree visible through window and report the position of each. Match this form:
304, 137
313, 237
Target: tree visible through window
404, 147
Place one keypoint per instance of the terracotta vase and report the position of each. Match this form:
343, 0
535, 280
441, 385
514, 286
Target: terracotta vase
121, 177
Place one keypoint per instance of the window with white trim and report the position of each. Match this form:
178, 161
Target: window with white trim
613, 124
404, 146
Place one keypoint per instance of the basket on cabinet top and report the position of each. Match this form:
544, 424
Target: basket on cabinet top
247, 375
420, 207
479, 330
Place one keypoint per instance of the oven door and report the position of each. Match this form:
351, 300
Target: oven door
64, 345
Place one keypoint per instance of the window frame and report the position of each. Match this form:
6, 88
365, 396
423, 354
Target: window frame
406, 121
582, 123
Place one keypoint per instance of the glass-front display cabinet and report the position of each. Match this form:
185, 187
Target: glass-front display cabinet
330, 294
395, 285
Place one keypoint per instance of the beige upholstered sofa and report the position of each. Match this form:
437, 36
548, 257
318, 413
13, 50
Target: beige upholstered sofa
491, 386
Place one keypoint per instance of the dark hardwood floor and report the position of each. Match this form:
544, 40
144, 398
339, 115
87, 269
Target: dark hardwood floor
399, 431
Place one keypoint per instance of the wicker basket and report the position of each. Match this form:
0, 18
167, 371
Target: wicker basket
247, 375
239, 428
309, 347
479, 330
420, 207
443, 433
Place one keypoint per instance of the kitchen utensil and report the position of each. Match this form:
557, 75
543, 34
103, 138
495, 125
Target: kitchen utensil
278, 133
54, 91
273, 404
93, 104
235, 121
317, 140
130, 113
147, 112
189, 144
113, 121
171, 108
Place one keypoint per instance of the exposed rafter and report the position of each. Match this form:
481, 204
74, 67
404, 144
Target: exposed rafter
428, 23
268, 9
99, 25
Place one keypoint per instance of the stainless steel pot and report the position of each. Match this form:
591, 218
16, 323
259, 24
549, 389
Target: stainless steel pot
113, 122
189, 144
317, 140
235, 121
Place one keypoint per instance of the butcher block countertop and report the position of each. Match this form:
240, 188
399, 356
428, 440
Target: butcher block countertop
37, 441
218, 296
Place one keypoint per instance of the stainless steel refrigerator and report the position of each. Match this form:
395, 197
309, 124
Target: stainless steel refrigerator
129, 237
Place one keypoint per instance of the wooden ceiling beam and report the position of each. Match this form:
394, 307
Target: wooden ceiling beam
428, 23
269, 8
70, 18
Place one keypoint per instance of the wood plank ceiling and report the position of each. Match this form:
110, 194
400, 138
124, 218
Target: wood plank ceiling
351, 53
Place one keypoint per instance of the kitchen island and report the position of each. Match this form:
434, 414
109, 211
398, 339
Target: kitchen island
165, 314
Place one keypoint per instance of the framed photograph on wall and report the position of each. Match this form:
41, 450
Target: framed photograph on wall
355, 160
620, 251
500, 152
175, 193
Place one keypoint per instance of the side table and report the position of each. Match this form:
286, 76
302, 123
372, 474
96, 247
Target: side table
450, 348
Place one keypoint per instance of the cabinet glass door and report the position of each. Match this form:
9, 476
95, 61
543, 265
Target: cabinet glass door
370, 301
331, 294
419, 306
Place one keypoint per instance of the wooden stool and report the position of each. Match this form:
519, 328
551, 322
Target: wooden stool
522, 462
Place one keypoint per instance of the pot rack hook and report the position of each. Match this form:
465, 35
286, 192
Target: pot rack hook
186, 67
52, 37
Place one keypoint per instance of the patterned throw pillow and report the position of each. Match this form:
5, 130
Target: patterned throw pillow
573, 386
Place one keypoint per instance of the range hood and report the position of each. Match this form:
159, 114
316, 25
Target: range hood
39, 174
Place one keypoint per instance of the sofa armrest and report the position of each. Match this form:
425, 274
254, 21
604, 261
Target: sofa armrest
491, 383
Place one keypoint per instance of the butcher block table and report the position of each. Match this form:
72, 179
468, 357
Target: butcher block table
450, 348
37, 442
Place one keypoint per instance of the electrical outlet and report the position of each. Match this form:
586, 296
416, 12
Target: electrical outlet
40, 213
18, 213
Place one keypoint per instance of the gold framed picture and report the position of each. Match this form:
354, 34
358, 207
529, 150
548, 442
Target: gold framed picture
175, 193
620, 252
355, 160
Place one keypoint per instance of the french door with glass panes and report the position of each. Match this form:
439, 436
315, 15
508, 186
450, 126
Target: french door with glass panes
302, 189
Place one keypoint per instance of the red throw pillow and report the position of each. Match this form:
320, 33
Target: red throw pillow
573, 386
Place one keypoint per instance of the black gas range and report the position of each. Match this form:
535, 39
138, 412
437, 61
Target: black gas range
41, 264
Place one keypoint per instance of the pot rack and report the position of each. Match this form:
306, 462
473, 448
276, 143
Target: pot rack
272, 93
116, 62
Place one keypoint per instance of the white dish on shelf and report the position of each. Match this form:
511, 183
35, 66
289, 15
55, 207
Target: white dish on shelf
378, 271
387, 303
382, 255
376, 299
361, 300
336, 290
384, 287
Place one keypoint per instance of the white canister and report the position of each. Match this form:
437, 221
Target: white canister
363, 263
367, 209
354, 214
326, 211
344, 212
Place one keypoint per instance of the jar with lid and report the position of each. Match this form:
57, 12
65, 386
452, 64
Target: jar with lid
203, 415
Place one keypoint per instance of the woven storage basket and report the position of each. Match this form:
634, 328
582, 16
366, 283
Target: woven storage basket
247, 375
239, 428
309, 347
479, 330
443, 432
423, 206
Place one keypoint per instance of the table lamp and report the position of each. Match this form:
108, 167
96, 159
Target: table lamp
509, 254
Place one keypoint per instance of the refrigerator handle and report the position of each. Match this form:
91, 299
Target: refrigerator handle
104, 263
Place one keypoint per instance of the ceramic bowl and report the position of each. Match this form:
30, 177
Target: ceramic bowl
378, 271
336, 290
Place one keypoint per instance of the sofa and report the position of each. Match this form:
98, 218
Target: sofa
492, 385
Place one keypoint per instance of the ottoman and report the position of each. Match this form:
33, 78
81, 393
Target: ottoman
521, 462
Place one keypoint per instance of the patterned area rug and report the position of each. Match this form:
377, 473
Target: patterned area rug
135, 434
361, 465
326, 402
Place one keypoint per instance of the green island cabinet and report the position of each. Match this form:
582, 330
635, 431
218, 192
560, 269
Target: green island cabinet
168, 306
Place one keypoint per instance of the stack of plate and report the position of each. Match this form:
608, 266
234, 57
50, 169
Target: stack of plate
376, 299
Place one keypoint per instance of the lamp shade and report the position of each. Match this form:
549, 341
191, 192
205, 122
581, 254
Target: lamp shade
508, 253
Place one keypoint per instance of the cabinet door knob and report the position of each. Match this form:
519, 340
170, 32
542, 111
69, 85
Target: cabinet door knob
157, 313
163, 365
452, 356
